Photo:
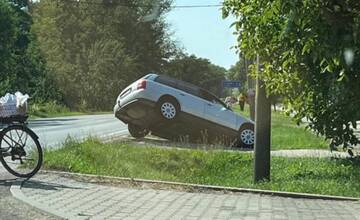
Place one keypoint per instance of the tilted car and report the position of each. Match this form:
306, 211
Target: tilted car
174, 109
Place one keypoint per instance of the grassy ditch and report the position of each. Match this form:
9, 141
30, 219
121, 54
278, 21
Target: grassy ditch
285, 134
307, 175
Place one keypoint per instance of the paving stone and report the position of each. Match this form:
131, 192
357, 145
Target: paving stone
92, 201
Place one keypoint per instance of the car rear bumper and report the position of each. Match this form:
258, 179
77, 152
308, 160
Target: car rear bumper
139, 111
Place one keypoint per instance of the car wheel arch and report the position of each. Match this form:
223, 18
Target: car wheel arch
170, 97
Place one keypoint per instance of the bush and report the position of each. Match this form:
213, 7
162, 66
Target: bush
47, 109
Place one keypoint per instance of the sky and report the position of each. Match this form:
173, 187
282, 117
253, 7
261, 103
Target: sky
203, 32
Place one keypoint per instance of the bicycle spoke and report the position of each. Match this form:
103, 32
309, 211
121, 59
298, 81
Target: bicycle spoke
7, 141
12, 140
19, 136
22, 144
26, 138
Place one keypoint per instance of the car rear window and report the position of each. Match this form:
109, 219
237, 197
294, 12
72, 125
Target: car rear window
189, 88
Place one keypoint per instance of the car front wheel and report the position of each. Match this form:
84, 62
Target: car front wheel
137, 131
246, 136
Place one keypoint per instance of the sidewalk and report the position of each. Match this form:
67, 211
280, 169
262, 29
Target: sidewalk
72, 199
310, 153
13, 209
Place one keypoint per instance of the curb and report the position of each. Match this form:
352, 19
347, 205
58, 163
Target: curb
167, 184
106, 138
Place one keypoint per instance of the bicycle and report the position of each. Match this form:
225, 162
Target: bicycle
20, 151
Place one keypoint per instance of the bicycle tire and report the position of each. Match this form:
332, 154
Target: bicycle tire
35, 140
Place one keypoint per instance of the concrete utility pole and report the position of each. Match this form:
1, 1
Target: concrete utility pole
262, 131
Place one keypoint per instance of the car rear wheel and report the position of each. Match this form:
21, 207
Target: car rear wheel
168, 109
246, 137
137, 131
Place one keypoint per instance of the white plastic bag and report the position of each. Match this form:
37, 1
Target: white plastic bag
11, 105
21, 100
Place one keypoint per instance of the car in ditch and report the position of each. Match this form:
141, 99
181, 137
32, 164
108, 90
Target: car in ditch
177, 110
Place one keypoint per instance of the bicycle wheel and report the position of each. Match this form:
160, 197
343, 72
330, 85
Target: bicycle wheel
20, 151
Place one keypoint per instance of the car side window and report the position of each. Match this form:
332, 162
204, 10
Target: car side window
166, 81
177, 84
211, 98
205, 95
186, 87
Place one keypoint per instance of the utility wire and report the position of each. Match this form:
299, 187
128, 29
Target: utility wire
196, 6
113, 3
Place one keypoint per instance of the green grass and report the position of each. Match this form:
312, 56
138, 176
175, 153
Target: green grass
53, 109
320, 176
285, 134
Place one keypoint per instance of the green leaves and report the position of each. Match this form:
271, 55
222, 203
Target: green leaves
198, 71
21, 64
93, 52
302, 46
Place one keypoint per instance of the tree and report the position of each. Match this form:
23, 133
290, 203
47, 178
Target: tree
310, 56
94, 49
8, 35
197, 71
21, 64
238, 72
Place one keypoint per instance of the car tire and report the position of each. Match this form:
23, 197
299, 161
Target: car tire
246, 137
168, 109
137, 131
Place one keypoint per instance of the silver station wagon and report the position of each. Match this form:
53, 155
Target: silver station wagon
177, 110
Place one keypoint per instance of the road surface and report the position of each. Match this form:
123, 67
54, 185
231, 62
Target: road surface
53, 131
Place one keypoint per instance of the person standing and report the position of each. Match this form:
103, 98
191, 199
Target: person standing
241, 100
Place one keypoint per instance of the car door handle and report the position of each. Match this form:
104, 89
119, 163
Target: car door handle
209, 104
182, 94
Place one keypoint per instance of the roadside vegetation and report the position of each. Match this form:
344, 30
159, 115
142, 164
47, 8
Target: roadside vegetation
307, 57
53, 109
49, 109
224, 168
286, 134
95, 60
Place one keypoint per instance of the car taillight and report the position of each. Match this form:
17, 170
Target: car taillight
141, 84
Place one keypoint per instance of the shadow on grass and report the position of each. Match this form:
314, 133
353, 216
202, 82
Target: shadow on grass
147, 141
340, 169
351, 161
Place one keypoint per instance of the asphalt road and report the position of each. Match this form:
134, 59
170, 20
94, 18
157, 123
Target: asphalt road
52, 132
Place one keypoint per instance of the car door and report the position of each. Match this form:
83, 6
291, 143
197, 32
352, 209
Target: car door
216, 112
191, 103
185, 93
